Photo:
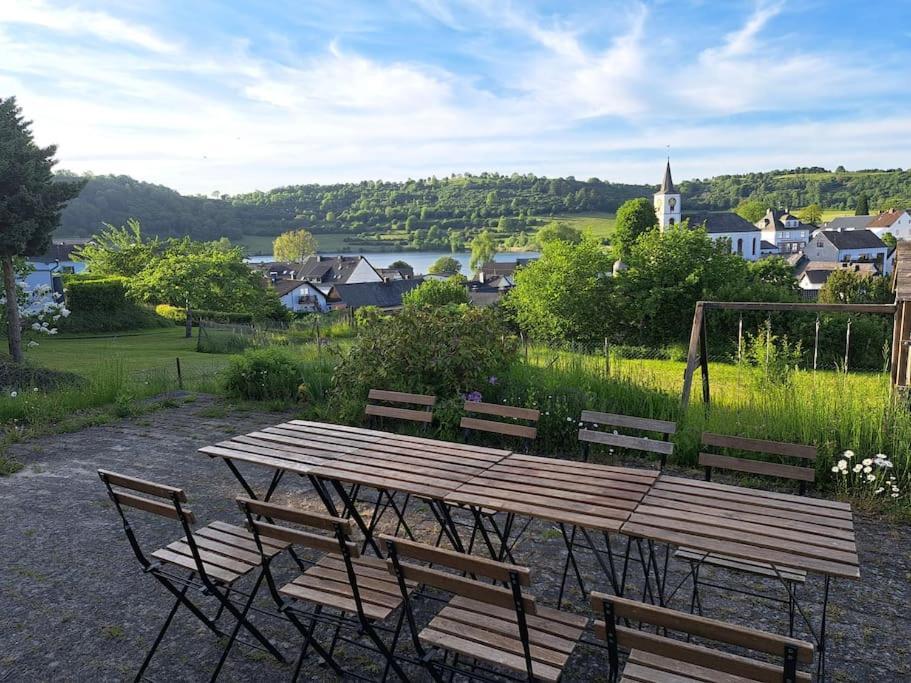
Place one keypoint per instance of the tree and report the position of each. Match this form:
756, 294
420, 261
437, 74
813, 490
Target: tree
483, 249
435, 293
634, 218
564, 295
751, 209
556, 230
31, 202
119, 251
445, 264
812, 214
862, 208
400, 264
889, 240
777, 273
294, 246
844, 286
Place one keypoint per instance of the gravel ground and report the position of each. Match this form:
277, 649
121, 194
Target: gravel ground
75, 605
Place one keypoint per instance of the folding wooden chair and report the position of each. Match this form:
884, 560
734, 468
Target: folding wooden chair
661, 446
655, 657
710, 461
526, 431
382, 408
343, 588
493, 626
218, 554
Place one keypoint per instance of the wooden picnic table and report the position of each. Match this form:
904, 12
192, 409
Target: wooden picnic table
783, 532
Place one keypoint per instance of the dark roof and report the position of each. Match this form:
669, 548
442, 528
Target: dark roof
61, 250
849, 223
382, 294
886, 218
495, 268
765, 244
667, 183
775, 218
283, 287
852, 239
719, 222
332, 269
818, 277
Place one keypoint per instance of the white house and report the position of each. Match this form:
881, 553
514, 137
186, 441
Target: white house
301, 297
744, 237
894, 221
786, 231
853, 246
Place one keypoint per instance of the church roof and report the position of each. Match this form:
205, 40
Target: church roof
667, 184
719, 222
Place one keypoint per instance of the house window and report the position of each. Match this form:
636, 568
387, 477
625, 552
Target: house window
670, 221
819, 245
754, 246
740, 246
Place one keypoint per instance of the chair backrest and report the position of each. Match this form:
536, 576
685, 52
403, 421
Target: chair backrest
159, 499
340, 528
800, 452
424, 415
628, 637
474, 588
662, 445
522, 431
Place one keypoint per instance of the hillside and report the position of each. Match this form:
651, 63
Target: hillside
434, 213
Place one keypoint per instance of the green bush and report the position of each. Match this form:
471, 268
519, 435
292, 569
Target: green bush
436, 293
264, 375
444, 351
101, 304
179, 315
132, 317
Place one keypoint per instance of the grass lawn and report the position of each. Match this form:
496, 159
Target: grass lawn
260, 245
600, 224
142, 350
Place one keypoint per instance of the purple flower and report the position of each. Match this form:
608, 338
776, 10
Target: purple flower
492, 379
474, 397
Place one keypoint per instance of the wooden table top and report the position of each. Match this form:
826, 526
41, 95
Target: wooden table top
783, 530
423, 467
594, 496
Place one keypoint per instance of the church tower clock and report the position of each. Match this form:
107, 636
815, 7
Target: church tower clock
667, 201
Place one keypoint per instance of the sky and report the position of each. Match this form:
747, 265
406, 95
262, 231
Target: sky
234, 97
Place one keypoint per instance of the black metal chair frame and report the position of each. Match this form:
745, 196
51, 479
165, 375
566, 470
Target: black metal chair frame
179, 586
360, 622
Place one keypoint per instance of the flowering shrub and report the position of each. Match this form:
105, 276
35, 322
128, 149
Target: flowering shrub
39, 311
868, 475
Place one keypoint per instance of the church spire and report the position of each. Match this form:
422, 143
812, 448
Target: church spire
667, 185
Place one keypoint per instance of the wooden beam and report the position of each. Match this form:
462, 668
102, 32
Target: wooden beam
704, 363
881, 309
692, 356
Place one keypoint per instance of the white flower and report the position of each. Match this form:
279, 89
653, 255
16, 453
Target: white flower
895, 495
868, 469
36, 326
857, 468
35, 389
867, 462
871, 477
879, 490
32, 344
65, 312
13, 394
848, 454
835, 468
842, 464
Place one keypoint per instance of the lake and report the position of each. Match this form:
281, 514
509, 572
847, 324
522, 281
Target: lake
419, 260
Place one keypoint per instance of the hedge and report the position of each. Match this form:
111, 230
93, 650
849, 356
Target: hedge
179, 315
87, 294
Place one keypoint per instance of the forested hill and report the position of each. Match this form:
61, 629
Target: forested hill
459, 202
464, 203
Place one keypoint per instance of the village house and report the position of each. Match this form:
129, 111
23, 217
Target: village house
301, 297
744, 237
783, 233
322, 270
812, 275
897, 222
384, 295
494, 270
849, 246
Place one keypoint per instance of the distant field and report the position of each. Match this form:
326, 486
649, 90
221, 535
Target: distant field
259, 245
599, 224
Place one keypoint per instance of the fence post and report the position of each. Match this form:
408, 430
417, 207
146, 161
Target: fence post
740, 339
847, 343
606, 358
316, 327
816, 344
179, 375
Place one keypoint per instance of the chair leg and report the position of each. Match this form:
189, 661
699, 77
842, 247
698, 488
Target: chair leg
241, 620
395, 642
309, 639
160, 636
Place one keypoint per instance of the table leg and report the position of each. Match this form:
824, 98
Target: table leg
447, 524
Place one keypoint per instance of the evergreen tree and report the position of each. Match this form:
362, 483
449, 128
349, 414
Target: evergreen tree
863, 206
30, 204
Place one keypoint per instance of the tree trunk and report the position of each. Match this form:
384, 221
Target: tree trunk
14, 327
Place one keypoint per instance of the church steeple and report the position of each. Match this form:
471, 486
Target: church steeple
667, 200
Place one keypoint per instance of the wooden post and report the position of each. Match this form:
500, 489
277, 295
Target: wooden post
179, 375
692, 356
816, 344
740, 340
704, 363
847, 343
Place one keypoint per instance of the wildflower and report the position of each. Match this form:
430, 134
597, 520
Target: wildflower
835, 468
879, 490
867, 462
581, 424
13, 394
895, 495
36, 326
65, 312
35, 389
857, 468
492, 379
842, 464
32, 344
868, 469
569, 419
871, 477
848, 454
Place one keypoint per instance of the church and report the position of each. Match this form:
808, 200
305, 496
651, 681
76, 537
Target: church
745, 238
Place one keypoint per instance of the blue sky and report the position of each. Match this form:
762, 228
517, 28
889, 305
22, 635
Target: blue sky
205, 96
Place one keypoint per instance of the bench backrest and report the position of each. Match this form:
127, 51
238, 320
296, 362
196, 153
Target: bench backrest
800, 452
626, 636
522, 431
159, 499
661, 445
423, 415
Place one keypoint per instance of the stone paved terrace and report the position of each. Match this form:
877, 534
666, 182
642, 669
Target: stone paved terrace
76, 607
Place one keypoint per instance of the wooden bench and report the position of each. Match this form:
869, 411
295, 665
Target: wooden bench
500, 626
528, 432
661, 658
422, 416
338, 580
661, 446
219, 554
